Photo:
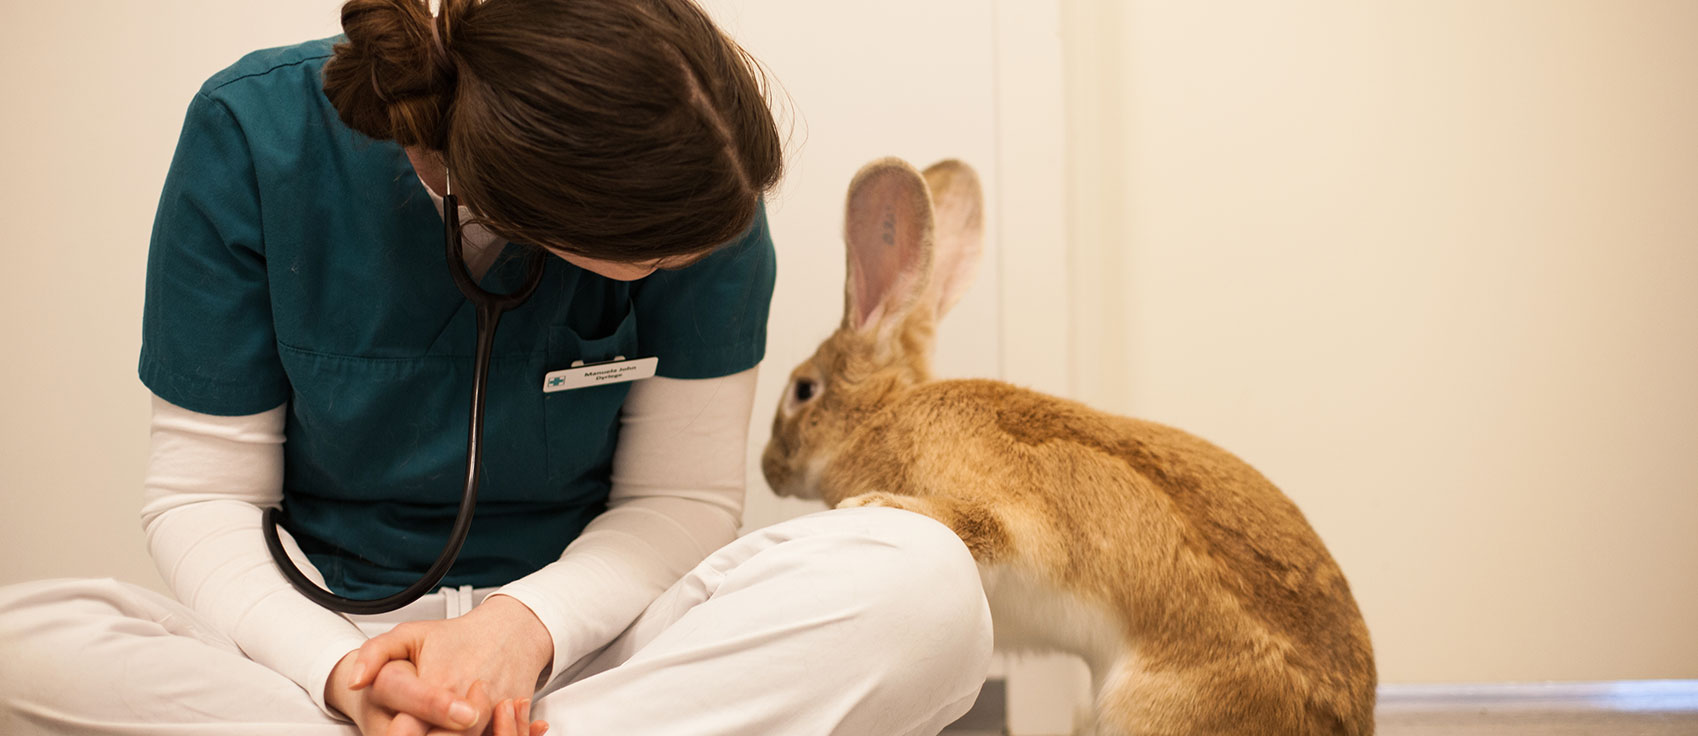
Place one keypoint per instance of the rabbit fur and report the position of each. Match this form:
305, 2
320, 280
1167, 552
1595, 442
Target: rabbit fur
1195, 590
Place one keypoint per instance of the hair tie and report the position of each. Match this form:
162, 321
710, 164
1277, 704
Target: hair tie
440, 37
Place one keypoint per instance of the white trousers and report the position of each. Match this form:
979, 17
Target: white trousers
861, 622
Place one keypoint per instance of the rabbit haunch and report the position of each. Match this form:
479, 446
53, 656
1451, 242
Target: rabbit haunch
1195, 590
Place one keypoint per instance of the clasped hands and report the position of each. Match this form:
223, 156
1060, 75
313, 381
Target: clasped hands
468, 676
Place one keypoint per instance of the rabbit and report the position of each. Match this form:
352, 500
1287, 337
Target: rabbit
1195, 591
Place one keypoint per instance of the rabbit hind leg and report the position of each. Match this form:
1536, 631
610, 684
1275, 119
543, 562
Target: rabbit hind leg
1132, 701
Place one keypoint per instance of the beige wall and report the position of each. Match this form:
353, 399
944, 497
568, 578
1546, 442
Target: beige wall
94, 96
1431, 266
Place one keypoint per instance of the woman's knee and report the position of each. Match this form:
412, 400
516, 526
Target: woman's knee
917, 585
38, 645
893, 580
923, 621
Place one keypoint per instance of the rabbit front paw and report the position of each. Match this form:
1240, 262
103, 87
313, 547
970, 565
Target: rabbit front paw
974, 523
880, 498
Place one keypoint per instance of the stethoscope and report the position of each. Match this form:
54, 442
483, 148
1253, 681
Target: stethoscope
489, 309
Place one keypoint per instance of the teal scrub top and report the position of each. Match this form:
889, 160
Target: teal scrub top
294, 260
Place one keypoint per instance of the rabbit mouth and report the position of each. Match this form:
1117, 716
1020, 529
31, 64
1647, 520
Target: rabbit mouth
779, 474
791, 479
792, 485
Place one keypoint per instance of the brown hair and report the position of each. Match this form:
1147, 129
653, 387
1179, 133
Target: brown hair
624, 130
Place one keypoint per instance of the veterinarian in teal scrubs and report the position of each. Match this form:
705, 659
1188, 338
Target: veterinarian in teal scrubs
297, 261
307, 348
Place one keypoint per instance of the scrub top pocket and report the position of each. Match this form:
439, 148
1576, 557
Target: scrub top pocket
581, 425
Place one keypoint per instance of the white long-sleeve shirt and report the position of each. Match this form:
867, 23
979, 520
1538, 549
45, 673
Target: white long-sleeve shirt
677, 495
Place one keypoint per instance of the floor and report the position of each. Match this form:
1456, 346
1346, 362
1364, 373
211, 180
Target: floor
1638, 708
988, 713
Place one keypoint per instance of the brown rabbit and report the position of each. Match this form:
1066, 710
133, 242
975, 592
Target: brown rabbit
1196, 592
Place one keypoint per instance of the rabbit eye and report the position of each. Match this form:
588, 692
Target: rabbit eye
804, 389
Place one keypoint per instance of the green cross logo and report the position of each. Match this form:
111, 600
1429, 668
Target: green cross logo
555, 381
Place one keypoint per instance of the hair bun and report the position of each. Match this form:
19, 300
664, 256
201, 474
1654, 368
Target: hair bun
392, 79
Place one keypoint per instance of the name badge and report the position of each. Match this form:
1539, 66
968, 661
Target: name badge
618, 370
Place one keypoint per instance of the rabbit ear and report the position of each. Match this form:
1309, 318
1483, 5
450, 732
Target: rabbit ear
958, 205
888, 230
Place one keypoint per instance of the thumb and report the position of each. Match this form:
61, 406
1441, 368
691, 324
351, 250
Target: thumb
375, 653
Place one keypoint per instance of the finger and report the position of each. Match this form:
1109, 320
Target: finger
504, 719
377, 651
405, 724
522, 717
399, 688
538, 728
478, 695
374, 721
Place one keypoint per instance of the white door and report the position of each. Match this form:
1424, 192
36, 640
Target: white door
968, 79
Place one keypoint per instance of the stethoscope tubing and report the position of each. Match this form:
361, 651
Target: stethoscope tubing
489, 308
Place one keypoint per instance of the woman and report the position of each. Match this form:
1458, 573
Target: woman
296, 291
